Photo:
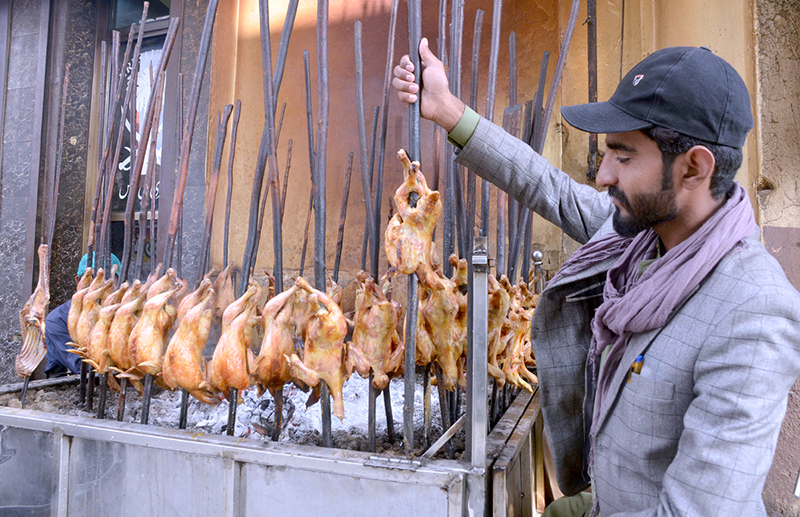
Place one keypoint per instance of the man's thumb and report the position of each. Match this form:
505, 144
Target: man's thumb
425, 54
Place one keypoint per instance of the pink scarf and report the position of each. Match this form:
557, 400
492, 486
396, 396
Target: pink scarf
634, 304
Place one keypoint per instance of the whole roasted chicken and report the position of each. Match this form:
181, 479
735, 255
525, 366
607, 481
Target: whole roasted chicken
270, 369
410, 231
31, 320
148, 338
498, 310
375, 330
119, 333
325, 355
77, 302
230, 365
439, 308
184, 365
90, 310
99, 339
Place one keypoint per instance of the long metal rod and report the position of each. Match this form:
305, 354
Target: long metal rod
366, 182
473, 102
305, 231
426, 406
286, 176
229, 196
380, 159
373, 148
497, 15
414, 37
211, 198
283, 50
591, 39
319, 197
188, 128
274, 174
254, 226
145, 201
342, 218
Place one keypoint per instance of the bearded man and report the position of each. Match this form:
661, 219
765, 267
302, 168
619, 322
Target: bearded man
666, 346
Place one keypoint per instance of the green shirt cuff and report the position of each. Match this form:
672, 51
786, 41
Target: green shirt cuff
461, 134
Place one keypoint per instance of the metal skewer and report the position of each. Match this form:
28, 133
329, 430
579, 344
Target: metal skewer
320, 174
228, 197
414, 36
367, 236
342, 217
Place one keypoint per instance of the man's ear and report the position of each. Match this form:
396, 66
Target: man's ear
696, 167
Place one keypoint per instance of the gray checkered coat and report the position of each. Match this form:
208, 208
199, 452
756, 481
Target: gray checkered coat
695, 432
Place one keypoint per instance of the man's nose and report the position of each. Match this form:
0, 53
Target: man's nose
606, 176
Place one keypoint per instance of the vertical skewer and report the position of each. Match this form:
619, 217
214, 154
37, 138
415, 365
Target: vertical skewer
380, 159
286, 176
229, 196
283, 49
426, 415
319, 198
233, 399
414, 36
342, 218
305, 232
123, 385
497, 15
473, 101
366, 181
591, 29
373, 147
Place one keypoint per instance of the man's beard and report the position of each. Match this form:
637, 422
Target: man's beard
644, 211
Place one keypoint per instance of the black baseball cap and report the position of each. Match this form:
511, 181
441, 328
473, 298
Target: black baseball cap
687, 89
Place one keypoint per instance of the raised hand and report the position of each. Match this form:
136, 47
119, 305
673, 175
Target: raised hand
437, 103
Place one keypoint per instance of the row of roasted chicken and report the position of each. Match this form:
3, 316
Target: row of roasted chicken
126, 330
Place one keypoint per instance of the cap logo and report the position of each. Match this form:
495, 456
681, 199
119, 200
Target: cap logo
637, 79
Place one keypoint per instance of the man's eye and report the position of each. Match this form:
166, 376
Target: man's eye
622, 160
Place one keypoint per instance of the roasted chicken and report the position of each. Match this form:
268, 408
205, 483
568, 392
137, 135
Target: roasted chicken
270, 369
410, 231
148, 338
231, 364
498, 310
99, 338
375, 330
31, 320
325, 355
77, 302
90, 310
184, 365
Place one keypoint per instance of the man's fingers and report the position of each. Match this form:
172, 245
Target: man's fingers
402, 74
405, 62
404, 86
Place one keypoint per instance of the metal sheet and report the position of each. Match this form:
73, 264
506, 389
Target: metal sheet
277, 489
26, 460
137, 481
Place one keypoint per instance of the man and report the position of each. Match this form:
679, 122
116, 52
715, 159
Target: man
667, 345
59, 361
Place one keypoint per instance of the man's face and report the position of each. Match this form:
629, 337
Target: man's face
640, 187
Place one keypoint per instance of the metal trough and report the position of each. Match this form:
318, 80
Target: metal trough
65, 466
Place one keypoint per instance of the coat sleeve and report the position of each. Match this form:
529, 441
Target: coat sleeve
742, 376
514, 167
